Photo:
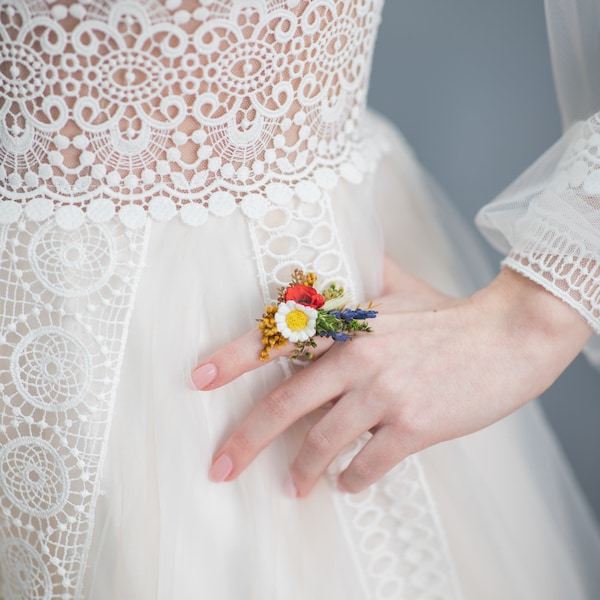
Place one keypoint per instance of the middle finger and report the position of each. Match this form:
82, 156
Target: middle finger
299, 395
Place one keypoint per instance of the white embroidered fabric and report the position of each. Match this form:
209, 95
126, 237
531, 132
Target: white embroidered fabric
116, 115
135, 108
111, 112
66, 298
550, 218
395, 526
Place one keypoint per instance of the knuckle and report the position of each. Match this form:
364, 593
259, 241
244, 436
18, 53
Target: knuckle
278, 404
317, 442
234, 357
413, 431
240, 444
412, 424
362, 473
358, 349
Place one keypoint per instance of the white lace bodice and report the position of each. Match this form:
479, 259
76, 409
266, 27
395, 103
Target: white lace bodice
207, 107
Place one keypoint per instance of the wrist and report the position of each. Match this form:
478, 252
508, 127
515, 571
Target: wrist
541, 330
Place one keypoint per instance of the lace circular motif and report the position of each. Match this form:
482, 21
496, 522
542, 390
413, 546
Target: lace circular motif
34, 476
73, 263
25, 576
51, 369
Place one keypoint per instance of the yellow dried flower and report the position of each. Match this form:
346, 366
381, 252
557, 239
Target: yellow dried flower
271, 338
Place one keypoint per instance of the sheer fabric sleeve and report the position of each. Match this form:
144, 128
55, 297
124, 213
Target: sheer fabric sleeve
548, 220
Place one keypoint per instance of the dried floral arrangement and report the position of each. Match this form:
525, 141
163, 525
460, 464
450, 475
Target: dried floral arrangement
303, 313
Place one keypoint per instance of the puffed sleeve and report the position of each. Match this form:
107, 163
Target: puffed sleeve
548, 221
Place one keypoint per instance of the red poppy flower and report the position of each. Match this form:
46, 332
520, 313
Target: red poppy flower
304, 294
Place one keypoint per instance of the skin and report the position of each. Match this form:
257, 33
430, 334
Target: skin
435, 368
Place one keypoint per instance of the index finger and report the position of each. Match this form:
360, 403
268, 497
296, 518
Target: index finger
239, 357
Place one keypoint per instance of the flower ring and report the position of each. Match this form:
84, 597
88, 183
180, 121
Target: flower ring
302, 312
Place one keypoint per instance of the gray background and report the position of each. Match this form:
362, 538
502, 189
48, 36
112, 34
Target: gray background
469, 83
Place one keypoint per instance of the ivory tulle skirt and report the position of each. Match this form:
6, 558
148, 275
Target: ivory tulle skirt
492, 516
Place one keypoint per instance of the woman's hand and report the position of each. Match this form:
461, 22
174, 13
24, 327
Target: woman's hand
435, 368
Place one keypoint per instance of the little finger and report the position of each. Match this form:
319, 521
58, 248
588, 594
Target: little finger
380, 454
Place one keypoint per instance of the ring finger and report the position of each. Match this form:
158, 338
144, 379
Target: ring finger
347, 420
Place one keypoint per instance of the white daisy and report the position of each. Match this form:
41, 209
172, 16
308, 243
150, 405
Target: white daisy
296, 322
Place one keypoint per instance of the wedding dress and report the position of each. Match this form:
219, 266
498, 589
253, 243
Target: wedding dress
164, 168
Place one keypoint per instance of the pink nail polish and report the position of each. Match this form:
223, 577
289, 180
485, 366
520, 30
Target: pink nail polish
220, 469
290, 489
203, 376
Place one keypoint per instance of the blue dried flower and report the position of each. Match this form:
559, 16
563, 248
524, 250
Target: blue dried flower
349, 315
336, 336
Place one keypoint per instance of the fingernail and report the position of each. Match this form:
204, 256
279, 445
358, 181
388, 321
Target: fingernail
203, 376
220, 469
289, 488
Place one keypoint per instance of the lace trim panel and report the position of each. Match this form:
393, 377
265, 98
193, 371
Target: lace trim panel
129, 107
558, 258
66, 297
557, 241
398, 541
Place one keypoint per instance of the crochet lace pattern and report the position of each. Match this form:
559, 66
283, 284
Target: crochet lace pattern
132, 108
